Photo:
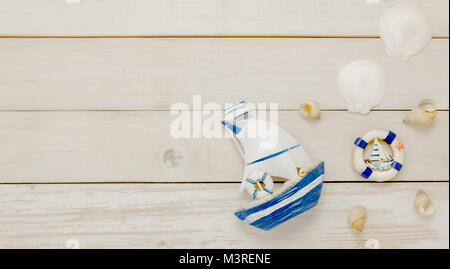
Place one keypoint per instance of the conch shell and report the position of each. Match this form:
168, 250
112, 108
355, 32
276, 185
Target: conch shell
423, 203
363, 85
405, 30
357, 218
424, 114
310, 109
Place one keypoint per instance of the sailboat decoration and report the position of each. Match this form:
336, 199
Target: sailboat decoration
267, 155
379, 160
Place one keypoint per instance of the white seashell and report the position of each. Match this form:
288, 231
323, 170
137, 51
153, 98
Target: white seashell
423, 203
373, 244
357, 218
424, 114
405, 30
310, 109
363, 85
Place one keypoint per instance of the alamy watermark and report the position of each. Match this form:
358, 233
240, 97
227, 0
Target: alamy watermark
212, 120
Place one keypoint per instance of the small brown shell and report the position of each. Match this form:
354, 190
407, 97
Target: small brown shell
424, 114
423, 203
310, 109
357, 218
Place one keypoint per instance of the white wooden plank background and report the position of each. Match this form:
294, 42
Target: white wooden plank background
152, 74
203, 17
51, 131
201, 216
129, 146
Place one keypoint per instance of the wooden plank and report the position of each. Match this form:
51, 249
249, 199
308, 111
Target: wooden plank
201, 216
130, 146
93, 74
203, 17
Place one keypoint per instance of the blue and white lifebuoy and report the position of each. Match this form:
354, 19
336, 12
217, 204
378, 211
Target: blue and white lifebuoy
259, 184
379, 166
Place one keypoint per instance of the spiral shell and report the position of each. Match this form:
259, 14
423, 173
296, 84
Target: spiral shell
357, 218
424, 114
423, 203
310, 109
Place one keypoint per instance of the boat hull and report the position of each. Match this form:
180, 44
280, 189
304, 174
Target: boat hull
290, 202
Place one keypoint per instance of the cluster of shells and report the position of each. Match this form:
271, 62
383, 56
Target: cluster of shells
358, 215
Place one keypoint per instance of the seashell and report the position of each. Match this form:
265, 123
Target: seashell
373, 244
363, 85
405, 30
357, 218
424, 114
423, 203
310, 109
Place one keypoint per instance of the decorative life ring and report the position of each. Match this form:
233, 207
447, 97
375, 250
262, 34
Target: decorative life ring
380, 166
259, 184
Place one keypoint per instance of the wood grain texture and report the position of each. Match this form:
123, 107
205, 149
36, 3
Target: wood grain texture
201, 216
129, 147
135, 74
203, 17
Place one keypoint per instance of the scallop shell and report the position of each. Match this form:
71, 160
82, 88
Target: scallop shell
363, 85
357, 218
423, 203
405, 30
424, 114
310, 109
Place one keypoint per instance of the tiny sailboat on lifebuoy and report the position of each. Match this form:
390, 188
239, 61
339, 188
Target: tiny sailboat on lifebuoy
269, 154
379, 160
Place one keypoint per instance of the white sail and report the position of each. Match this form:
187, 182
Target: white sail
378, 153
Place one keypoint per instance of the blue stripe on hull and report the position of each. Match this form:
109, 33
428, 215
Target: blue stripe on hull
289, 211
303, 203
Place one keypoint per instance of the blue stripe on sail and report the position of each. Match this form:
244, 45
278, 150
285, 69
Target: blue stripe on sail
228, 108
232, 127
251, 181
242, 115
310, 177
290, 210
375, 149
273, 155
390, 137
375, 155
298, 145
234, 109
